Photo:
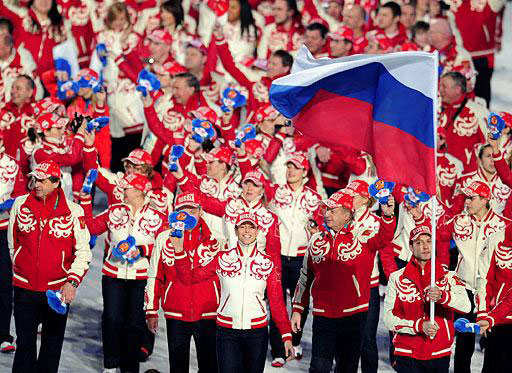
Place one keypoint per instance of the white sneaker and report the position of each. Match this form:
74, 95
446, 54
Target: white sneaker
278, 362
109, 370
7, 347
298, 352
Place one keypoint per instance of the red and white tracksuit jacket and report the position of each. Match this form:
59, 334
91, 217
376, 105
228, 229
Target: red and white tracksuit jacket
501, 313
187, 302
406, 309
500, 192
12, 184
470, 236
494, 271
505, 176
364, 219
49, 242
14, 124
161, 197
119, 221
275, 37
343, 258
79, 13
102, 141
10, 68
67, 153
294, 209
38, 39
477, 23
448, 170
468, 129
221, 190
245, 275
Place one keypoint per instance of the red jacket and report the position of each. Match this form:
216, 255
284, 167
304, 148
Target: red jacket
190, 302
494, 272
502, 312
342, 163
342, 260
38, 40
476, 21
14, 123
50, 242
12, 184
406, 309
102, 140
78, 13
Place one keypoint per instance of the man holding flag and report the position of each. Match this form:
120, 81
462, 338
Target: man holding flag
420, 344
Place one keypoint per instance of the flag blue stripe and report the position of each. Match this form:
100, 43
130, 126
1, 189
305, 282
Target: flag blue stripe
393, 103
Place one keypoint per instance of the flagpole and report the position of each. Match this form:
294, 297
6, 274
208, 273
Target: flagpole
434, 197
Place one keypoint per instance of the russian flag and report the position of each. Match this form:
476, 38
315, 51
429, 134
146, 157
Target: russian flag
382, 104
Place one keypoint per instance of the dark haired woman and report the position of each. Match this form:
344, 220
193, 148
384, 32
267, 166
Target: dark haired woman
38, 27
173, 19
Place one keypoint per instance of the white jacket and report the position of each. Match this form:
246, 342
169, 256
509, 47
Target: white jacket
294, 209
470, 236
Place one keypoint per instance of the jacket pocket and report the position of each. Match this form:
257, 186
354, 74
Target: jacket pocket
167, 291
356, 285
261, 305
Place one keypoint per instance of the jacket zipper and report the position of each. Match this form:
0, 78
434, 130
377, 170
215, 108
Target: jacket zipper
243, 293
39, 244
291, 231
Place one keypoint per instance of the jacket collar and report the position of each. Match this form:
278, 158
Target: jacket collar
421, 277
54, 205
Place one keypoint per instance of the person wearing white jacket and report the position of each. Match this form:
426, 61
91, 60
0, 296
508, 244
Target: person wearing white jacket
296, 205
245, 273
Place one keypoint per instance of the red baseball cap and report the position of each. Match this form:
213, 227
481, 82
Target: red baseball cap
46, 169
477, 188
264, 113
254, 148
51, 120
246, 217
198, 44
359, 187
48, 105
136, 181
299, 161
340, 199
187, 199
342, 33
255, 176
205, 113
138, 157
160, 36
222, 153
418, 231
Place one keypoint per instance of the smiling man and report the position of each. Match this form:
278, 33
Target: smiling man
422, 345
50, 245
